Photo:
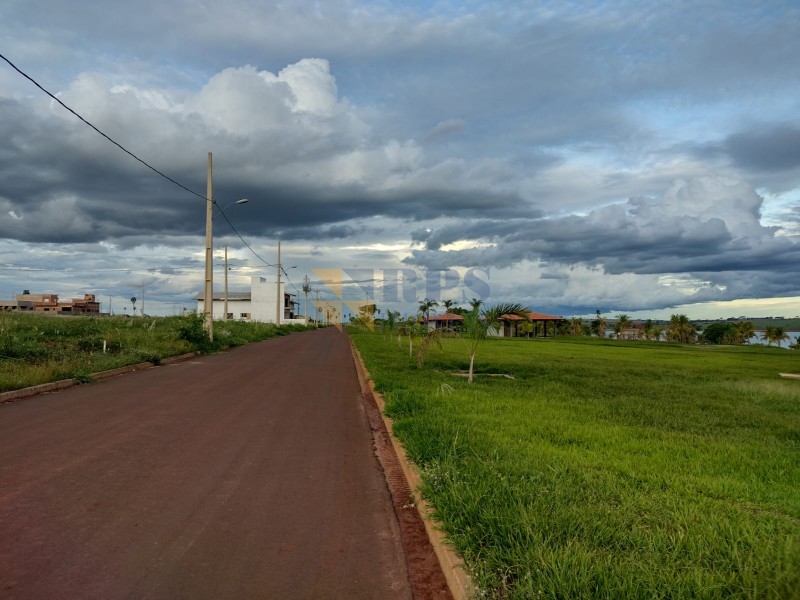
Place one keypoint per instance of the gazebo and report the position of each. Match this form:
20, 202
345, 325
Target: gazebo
540, 324
447, 320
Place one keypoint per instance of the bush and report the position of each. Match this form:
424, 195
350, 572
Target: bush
193, 331
718, 333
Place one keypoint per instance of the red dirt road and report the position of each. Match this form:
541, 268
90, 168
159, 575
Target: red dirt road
248, 474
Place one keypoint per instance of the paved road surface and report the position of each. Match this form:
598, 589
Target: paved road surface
248, 474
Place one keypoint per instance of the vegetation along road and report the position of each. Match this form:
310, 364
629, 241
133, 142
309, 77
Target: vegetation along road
248, 474
605, 469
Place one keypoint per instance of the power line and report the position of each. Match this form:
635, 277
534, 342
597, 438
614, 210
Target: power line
145, 163
117, 144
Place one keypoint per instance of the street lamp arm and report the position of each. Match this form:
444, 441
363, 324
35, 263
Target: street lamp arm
240, 201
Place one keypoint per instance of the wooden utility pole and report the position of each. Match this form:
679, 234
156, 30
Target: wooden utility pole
208, 293
279, 298
225, 315
306, 289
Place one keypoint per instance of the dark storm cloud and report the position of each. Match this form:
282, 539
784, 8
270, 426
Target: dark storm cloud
775, 148
484, 122
64, 192
709, 227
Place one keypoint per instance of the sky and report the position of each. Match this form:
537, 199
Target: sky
638, 157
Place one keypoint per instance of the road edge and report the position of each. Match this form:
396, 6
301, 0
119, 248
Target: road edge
54, 386
458, 580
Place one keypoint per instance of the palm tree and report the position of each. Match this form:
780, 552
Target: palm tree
599, 324
478, 322
657, 331
448, 305
412, 329
475, 303
390, 321
681, 329
623, 322
575, 326
425, 307
775, 334
744, 331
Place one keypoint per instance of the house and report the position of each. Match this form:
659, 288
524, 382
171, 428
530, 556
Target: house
50, 304
543, 325
445, 321
259, 304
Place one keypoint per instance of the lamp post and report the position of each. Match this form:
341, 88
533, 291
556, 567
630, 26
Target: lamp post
225, 302
208, 291
306, 289
278, 295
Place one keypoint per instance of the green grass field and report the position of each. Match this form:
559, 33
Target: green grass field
38, 349
607, 469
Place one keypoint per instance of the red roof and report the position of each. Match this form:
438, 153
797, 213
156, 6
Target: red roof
446, 317
543, 317
534, 316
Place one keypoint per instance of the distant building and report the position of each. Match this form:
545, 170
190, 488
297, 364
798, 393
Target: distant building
50, 304
542, 325
259, 304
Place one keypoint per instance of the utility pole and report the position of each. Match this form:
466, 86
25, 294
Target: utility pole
316, 311
141, 312
225, 315
208, 293
278, 298
306, 289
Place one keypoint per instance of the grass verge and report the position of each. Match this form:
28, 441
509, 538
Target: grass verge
37, 349
606, 469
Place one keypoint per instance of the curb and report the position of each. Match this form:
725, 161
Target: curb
55, 386
458, 580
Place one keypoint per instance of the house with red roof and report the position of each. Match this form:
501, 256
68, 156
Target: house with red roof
543, 325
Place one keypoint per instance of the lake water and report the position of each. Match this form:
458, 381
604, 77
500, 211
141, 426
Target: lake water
756, 339
793, 335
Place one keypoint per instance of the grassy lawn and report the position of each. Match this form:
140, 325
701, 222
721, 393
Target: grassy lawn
607, 469
38, 349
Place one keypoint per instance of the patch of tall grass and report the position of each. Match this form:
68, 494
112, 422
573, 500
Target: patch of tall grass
607, 469
37, 349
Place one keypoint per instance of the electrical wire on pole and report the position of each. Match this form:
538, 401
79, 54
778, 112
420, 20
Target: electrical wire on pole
306, 289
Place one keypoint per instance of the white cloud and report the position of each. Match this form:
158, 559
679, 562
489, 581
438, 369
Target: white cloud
515, 133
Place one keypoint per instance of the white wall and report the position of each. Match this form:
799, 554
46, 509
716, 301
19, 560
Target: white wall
264, 299
261, 306
237, 307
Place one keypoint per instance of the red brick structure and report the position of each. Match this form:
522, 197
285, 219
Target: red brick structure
49, 304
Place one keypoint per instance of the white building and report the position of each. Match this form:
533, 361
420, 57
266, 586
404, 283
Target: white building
259, 304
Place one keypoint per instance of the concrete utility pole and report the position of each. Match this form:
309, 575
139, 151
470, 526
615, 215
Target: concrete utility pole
306, 289
141, 312
316, 311
225, 315
278, 299
208, 293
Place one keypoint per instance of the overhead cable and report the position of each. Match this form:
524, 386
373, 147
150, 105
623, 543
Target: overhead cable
124, 149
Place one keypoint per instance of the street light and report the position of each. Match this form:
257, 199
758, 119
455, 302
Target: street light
241, 201
208, 293
225, 303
